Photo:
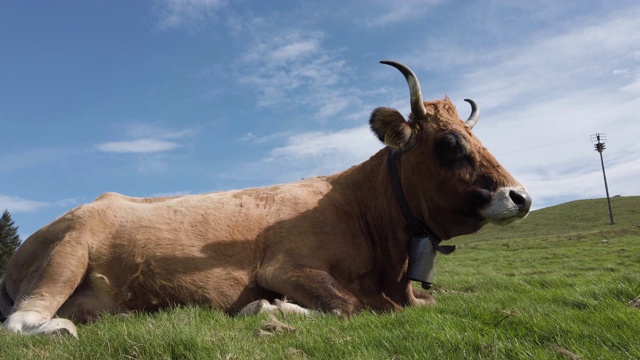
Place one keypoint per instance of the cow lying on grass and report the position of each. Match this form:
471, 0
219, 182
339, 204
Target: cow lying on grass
336, 244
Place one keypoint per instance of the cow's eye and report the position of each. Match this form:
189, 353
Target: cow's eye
449, 149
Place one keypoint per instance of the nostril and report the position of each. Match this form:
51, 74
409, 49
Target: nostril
517, 198
521, 199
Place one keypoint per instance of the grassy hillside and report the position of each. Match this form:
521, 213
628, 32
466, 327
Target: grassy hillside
584, 217
554, 286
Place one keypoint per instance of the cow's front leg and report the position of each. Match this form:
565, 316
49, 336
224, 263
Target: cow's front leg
278, 307
311, 288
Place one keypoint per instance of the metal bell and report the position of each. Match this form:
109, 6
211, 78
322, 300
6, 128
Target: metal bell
422, 261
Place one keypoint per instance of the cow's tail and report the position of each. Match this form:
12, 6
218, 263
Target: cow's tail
6, 302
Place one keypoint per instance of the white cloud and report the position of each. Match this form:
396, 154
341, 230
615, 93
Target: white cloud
549, 65
543, 98
540, 98
67, 203
263, 139
294, 67
351, 145
140, 146
144, 130
634, 85
148, 139
311, 153
17, 204
548, 189
186, 13
295, 50
384, 13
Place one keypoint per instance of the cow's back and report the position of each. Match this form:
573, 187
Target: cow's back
149, 253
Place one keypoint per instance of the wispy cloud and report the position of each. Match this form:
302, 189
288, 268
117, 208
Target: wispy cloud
140, 146
541, 98
384, 13
173, 14
289, 60
265, 139
295, 67
311, 153
550, 188
350, 144
144, 130
147, 139
16, 204
590, 54
558, 90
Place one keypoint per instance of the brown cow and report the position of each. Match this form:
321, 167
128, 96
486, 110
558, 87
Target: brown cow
334, 243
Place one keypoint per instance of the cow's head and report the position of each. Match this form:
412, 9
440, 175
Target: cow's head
450, 180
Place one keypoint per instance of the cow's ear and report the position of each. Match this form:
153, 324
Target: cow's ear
392, 129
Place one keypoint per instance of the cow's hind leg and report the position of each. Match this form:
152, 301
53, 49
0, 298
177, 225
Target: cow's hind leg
92, 298
6, 302
46, 288
312, 288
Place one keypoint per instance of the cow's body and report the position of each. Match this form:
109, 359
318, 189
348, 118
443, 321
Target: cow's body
335, 244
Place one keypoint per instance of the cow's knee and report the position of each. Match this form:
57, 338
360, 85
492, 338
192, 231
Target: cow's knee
32, 322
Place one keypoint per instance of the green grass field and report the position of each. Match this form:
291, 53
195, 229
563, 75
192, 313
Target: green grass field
554, 286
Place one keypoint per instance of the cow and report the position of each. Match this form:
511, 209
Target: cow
335, 244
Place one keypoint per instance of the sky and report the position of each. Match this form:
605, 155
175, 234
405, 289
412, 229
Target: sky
171, 97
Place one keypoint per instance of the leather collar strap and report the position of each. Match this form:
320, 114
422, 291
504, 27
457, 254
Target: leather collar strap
413, 226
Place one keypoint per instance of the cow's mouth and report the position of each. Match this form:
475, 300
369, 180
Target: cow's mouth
478, 199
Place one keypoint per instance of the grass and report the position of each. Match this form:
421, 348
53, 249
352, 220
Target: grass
554, 286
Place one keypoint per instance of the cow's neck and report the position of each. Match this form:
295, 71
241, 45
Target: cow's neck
366, 193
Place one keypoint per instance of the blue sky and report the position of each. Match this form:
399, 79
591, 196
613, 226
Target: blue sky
151, 98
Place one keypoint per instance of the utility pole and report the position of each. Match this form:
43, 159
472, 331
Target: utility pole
599, 141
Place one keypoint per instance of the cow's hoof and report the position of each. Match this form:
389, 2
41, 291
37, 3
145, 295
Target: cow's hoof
57, 327
426, 301
423, 298
32, 322
256, 307
291, 308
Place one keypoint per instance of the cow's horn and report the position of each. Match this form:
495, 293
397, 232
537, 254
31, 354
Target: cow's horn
417, 106
475, 114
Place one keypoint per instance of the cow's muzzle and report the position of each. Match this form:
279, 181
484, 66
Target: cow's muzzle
507, 205
520, 197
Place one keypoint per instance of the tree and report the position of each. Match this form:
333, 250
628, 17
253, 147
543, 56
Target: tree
9, 240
